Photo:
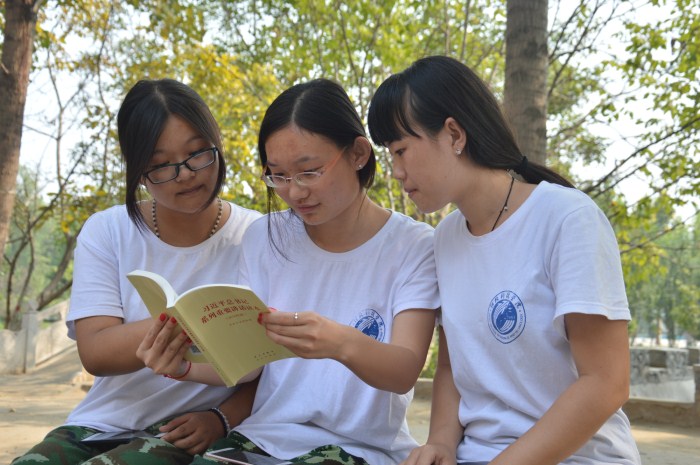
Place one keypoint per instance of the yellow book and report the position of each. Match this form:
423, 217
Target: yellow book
221, 320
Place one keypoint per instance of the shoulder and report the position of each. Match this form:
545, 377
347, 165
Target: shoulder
562, 198
106, 234
271, 223
453, 220
243, 215
403, 224
405, 235
562, 205
258, 225
404, 238
573, 224
113, 218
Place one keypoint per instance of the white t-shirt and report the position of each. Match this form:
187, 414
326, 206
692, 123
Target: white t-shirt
304, 404
109, 247
504, 296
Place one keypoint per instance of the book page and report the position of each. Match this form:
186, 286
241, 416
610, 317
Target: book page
224, 319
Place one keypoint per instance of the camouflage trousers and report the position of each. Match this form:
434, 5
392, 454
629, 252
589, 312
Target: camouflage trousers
62, 446
324, 455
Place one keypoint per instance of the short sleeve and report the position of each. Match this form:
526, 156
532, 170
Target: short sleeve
585, 268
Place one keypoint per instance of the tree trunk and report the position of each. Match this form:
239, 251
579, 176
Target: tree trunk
15, 64
525, 99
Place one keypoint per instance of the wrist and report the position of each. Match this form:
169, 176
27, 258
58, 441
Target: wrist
188, 367
222, 418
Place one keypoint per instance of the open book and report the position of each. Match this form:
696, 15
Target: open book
221, 320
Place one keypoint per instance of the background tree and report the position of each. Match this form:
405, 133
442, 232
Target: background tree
15, 64
667, 303
239, 54
525, 95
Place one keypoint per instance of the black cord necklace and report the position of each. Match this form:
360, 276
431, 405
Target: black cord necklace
505, 204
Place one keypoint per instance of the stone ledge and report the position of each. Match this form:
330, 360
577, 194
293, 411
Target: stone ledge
636, 409
83, 379
423, 389
662, 411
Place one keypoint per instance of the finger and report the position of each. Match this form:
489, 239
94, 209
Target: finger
179, 429
170, 341
177, 346
174, 423
303, 326
176, 437
198, 448
415, 456
152, 332
168, 360
155, 355
192, 442
285, 335
166, 333
260, 315
283, 318
184, 347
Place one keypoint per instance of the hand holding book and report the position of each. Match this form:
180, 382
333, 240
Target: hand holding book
221, 320
163, 350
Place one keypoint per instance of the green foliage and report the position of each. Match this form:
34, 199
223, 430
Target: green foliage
663, 59
358, 43
34, 248
239, 54
668, 298
431, 360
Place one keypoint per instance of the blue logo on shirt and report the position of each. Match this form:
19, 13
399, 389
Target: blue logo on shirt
506, 316
370, 323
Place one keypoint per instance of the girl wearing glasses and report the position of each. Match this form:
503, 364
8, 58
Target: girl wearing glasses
172, 150
354, 284
533, 362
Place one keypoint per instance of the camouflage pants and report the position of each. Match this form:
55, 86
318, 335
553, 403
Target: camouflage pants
62, 446
325, 455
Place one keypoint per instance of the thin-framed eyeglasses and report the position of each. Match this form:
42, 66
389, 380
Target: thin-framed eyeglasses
194, 162
305, 178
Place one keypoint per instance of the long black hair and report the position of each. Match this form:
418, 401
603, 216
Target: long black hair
140, 122
435, 88
322, 107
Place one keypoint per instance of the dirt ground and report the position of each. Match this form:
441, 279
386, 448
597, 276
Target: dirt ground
31, 404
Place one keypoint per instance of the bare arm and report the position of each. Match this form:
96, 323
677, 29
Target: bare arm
107, 346
392, 366
601, 353
445, 430
239, 406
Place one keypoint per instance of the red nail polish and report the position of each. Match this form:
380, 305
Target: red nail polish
259, 318
163, 316
172, 318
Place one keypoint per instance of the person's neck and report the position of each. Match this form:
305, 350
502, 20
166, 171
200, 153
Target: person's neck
358, 224
188, 229
489, 201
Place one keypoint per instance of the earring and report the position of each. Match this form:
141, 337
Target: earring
458, 151
359, 167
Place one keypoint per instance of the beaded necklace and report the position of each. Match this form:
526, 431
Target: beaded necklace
211, 233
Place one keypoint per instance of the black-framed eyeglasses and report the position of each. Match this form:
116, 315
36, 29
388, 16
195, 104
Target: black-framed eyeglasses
196, 161
305, 178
